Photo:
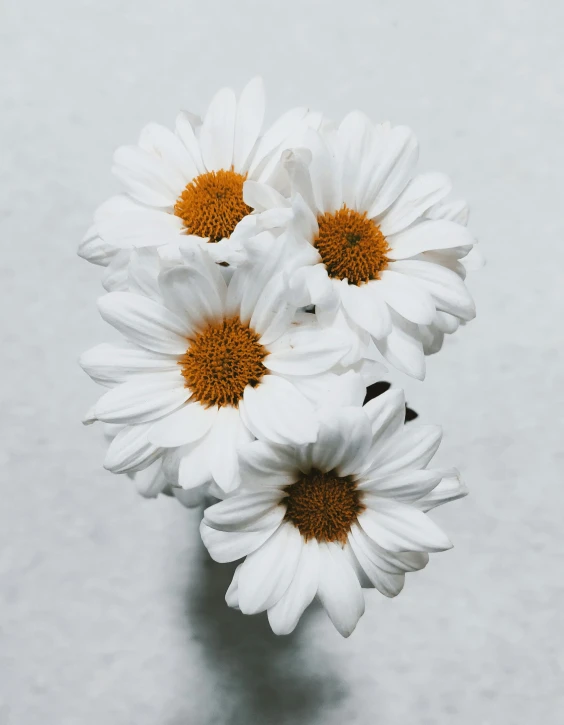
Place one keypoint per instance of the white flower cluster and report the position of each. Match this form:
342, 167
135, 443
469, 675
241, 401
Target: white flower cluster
261, 279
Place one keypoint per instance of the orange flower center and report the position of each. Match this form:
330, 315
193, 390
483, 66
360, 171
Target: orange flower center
212, 204
351, 246
221, 361
323, 506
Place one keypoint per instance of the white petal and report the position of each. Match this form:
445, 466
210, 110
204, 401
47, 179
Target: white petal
342, 444
147, 178
193, 497
145, 398
186, 425
145, 322
114, 276
393, 563
217, 135
356, 144
402, 348
194, 470
306, 350
131, 450
428, 235
311, 285
185, 131
339, 589
265, 464
396, 163
296, 163
267, 573
411, 448
248, 123
112, 364
161, 142
329, 389
447, 290
323, 174
419, 195
406, 486
95, 249
151, 481
366, 307
225, 546
450, 488
399, 527
232, 593
277, 411
390, 585
262, 197
143, 272
386, 413
195, 298
227, 436
275, 136
247, 512
407, 297
285, 614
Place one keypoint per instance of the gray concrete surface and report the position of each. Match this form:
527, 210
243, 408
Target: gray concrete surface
111, 612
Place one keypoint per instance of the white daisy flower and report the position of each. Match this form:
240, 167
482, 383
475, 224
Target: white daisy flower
328, 518
374, 258
208, 365
188, 185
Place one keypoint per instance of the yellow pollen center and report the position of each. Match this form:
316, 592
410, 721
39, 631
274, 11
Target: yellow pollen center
221, 361
323, 506
212, 204
351, 246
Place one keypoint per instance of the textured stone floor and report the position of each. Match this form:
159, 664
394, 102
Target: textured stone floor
111, 613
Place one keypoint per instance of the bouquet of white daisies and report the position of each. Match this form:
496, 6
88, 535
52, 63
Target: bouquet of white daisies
261, 279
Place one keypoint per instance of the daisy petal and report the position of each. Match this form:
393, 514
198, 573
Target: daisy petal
248, 122
131, 450
329, 389
366, 307
185, 131
95, 249
386, 413
411, 448
225, 546
186, 425
388, 584
192, 296
267, 573
306, 351
397, 159
113, 364
406, 486
145, 398
285, 614
426, 236
402, 348
406, 297
419, 195
339, 589
342, 444
447, 290
145, 322
228, 434
251, 512
450, 488
263, 464
398, 527
277, 411
217, 135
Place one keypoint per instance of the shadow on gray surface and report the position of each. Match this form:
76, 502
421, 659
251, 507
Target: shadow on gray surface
261, 678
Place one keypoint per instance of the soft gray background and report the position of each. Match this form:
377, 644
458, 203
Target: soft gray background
111, 611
